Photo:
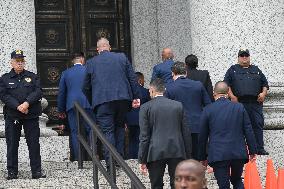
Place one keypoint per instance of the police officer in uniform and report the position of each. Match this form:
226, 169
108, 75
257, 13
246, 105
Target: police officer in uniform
21, 93
249, 86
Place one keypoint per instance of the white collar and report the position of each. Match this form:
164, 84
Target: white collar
159, 95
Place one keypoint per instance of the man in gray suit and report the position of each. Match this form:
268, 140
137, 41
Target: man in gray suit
165, 138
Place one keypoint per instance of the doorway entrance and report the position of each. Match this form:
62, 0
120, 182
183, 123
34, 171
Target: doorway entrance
65, 26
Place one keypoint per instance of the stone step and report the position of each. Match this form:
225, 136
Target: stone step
54, 148
66, 174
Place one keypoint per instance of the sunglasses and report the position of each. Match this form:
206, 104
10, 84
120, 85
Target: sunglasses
244, 55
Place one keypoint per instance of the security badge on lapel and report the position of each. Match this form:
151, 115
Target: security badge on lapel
28, 79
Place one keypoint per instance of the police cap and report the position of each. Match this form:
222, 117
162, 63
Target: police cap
243, 52
17, 54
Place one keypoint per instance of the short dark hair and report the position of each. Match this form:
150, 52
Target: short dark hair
179, 68
139, 74
221, 87
78, 55
158, 84
191, 61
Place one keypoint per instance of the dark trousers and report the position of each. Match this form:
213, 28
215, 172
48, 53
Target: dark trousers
156, 171
255, 113
72, 121
194, 153
133, 145
119, 136
110, 116
222, 173
13, 129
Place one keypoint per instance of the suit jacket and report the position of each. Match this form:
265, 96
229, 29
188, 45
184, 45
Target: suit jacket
228, 127
164, 132
70, 88
163, 71
132, 117
193, 97
110, 77
204, 77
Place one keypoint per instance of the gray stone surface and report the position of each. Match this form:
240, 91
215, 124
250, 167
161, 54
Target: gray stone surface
274, 107
220, 28
65, 174
213, 30
53, 148
155, 25
17, 31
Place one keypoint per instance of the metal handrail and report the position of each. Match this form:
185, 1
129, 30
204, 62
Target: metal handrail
91, 150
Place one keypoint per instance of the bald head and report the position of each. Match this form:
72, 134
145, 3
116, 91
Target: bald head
190, 174
103, 45
167, 53
221, 89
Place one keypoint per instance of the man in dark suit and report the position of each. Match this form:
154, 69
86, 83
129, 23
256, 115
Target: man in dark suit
164, 135
112, 84
70, 90
193, 97
132, 119
198, 75
163, 70
229, 130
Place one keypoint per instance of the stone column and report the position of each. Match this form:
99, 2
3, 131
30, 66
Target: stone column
156, 25
17, 31
220, 28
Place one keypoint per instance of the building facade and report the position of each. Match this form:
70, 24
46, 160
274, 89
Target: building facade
50, 30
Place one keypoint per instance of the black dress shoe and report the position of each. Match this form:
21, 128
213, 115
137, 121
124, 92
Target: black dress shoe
262, 152
38, 175
11, 176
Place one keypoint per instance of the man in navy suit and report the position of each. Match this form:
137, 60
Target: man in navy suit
132, 119
112, 84
163, 70
70, 90
228, 127
193, 97
203, 76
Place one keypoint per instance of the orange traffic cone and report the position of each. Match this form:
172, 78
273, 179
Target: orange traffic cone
271, 180
247, 178
252, 179
280, 182
255, 177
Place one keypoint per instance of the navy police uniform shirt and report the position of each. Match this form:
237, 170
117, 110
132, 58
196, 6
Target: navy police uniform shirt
18, 88
246, 82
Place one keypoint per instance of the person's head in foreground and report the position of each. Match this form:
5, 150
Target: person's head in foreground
190, 174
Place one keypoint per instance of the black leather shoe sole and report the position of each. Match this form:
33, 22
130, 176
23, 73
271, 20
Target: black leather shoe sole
38, 176
265, 153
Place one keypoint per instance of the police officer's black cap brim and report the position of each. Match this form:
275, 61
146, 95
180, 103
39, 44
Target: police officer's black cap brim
19, 56
244, 53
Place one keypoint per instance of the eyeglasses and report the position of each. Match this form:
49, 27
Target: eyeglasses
244, 55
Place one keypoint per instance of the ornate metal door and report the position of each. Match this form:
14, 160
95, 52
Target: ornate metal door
65, 26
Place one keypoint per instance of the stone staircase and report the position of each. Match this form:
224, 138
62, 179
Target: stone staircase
62, 173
